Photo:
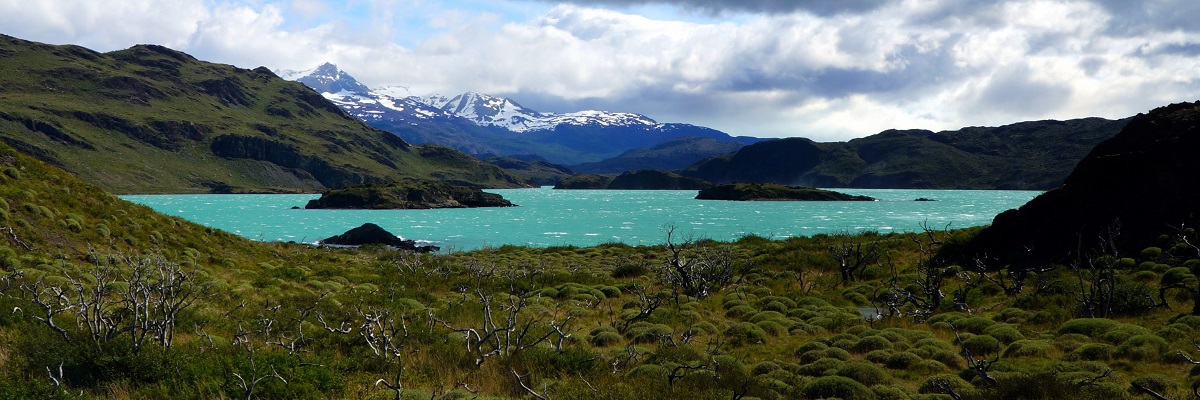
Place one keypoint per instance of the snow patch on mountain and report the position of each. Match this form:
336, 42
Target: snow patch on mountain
396, 103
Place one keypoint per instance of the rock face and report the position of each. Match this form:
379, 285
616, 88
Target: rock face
407, 195
1142, 182
370, 233
773, 192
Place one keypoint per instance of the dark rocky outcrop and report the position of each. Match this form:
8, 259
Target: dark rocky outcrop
656, 180
1142, 183
773, 192
370, 233
407, 195
584, 181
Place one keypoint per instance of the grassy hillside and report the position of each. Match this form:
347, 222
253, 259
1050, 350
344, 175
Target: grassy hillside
1027, 155
854, 316
150, 119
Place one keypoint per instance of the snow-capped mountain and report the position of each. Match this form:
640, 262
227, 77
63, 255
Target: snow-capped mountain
486, 125
488, 110
391, 103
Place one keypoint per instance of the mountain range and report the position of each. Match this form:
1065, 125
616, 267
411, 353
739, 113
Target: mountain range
487, 126
149, 119
1034, 155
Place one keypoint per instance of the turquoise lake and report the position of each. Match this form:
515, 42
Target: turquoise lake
548, 217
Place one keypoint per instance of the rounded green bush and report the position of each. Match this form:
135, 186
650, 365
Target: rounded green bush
871, 343
948, 358
648, 371
703, 328
837, 387
820, 367
741, 312
1095, 352
1005, 333
764, 367
606, 338
776, 306
773, 328
864, 373
980, 345
838, 353
766, 316
1123, 332
1091, 327
931, 386
1157, 382
745, 333
811, 301
902, 360
878, 356
810, 346
1028, 348
734, 302
1142, 348
974, 325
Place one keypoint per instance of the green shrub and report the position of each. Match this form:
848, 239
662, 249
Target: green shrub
606, 338
745, 333
1005, 333
1150, 253
1156, 382
1028, 348
838, 353
878, 356
741, 312
1142, 348
820, 367
980, 345
864, 373
1091, 327
772, 327
948, 358
934, 384
1013, 315
12, 172
837, 387
871, 343
902, 360
1123, 332
1095, 352
974, 325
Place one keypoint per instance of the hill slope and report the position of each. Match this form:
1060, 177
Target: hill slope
1027, 155
1140, 184
151, 119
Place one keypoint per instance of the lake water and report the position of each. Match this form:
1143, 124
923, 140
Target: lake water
548, 217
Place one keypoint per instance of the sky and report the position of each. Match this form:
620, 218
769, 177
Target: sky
822, 69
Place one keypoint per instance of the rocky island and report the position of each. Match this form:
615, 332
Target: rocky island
370, 233
773, 192
405, 195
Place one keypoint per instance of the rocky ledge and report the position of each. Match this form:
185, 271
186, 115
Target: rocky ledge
370, 233
773, 192
407, 195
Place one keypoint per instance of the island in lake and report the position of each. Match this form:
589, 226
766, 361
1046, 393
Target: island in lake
773, 192
407, 195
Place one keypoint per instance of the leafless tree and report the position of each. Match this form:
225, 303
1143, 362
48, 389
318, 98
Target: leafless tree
855, 252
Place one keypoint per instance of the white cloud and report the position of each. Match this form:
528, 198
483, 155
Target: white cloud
761, 68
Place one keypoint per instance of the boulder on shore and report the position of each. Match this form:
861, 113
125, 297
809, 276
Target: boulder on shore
370, 233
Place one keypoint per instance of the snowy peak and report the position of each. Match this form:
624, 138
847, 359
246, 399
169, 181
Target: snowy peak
502, 112
395, 104
326, 78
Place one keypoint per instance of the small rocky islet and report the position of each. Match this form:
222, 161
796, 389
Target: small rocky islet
773, 192
407, 195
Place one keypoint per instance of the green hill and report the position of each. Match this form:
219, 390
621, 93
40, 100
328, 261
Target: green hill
150, 119
1027, 155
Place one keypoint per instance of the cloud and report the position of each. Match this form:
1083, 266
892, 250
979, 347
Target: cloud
820, 7
826, 70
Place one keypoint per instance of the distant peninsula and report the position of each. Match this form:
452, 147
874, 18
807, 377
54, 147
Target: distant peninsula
773, 192
634, 180
407, 195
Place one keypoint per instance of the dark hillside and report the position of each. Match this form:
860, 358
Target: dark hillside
1140, 184
151, 119
1027, 155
